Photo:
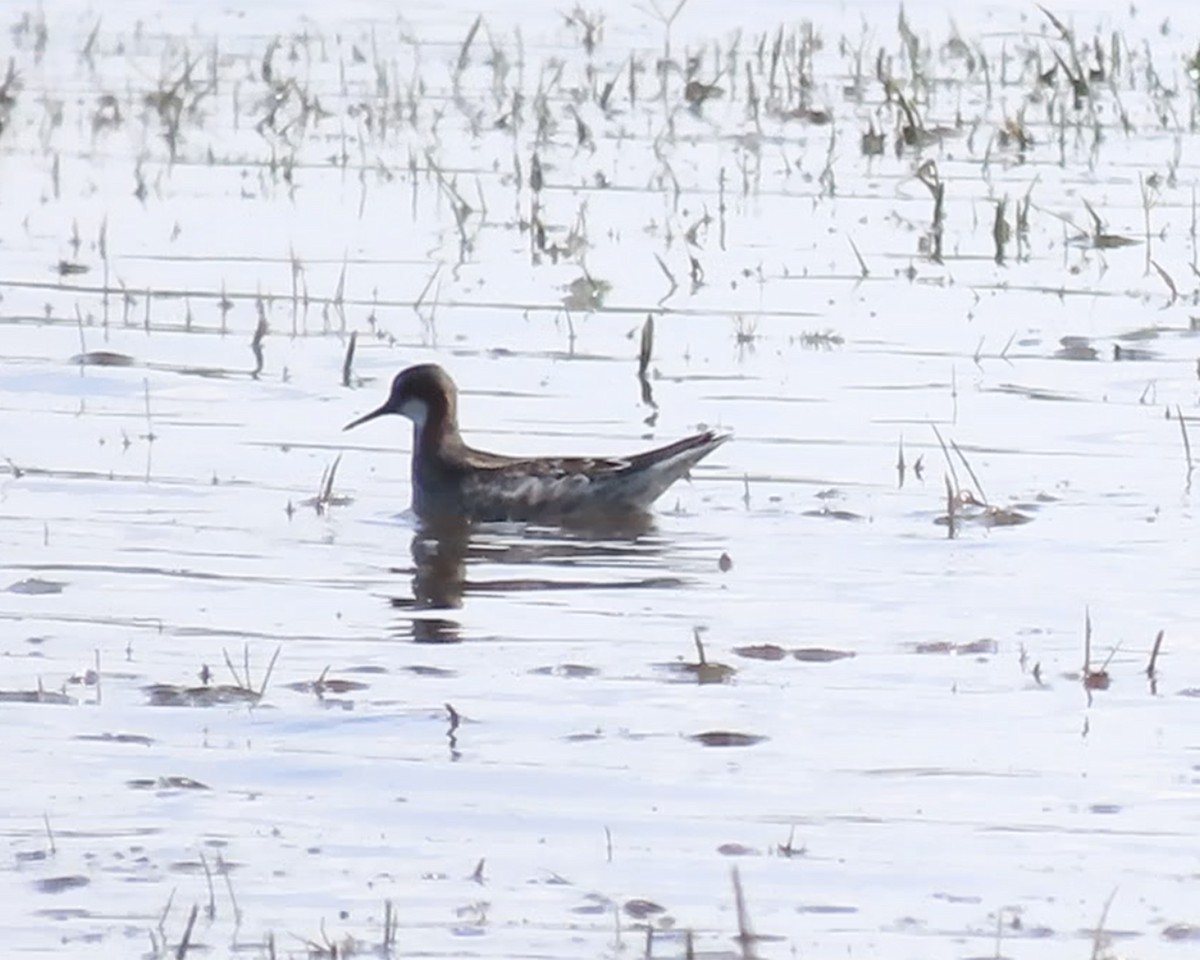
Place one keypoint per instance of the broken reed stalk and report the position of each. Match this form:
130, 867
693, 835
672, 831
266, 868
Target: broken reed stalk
946, 453
789, 848
464, 53
1166, 278
390, 922
228, 875
242, 681
951, 502
1087, 642
270, 669
670, 279
1187, 444
1149, 198
339, 295
646, 348
103, 250
325, 493
186, 942
1103, 671
425, 290
862, 264
745, 935
1195, 250
348, 362
970, 472
83, 340
150, 438
1152, 667
458, 206
233, 670
1098, 937
256, 342
667, 21
210, 911
162, 917
1001, 232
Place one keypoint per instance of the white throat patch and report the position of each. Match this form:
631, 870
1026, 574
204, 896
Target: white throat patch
416, 410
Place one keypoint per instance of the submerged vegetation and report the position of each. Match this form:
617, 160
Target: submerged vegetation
487, 142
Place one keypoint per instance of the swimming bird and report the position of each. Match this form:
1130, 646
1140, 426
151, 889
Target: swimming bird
452, 481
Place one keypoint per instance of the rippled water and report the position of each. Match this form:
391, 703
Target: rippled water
239, 676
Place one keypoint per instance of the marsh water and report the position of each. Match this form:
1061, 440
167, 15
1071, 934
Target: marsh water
909, 669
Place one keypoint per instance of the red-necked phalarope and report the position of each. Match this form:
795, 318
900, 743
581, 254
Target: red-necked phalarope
454, 481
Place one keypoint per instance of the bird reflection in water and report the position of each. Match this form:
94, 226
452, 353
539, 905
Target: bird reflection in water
443, 553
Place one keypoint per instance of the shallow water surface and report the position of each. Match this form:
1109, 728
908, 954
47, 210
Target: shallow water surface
880, 680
